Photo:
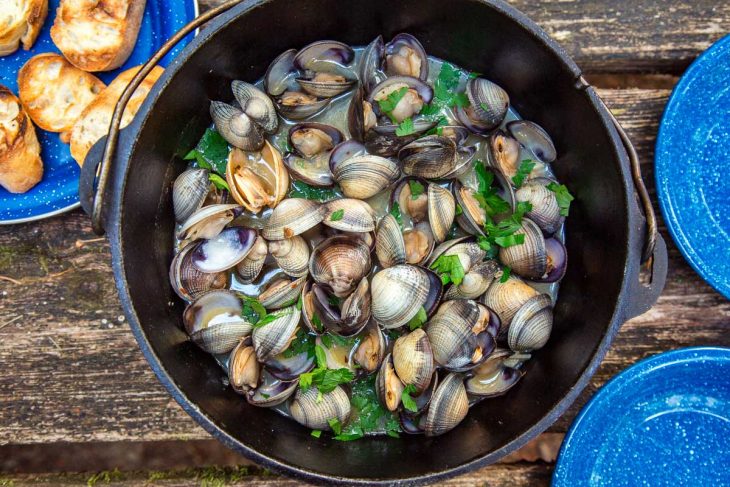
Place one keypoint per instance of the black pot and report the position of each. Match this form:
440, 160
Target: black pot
605, 231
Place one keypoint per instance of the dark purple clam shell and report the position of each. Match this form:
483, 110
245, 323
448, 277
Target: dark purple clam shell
370, 63
435, 292
424, 90
290, 368
534, 138
331, 131
344, 151
224, 251
281, 74
557, 257
313, 56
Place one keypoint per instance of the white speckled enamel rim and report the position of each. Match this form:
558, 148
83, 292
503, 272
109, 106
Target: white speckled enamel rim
73, 206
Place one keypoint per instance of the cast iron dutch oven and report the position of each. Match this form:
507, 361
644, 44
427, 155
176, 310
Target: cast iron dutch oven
607, 232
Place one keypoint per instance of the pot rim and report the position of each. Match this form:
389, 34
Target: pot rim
619, 314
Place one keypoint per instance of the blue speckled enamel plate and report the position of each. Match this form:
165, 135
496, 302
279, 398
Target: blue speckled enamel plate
58, 191
693, 163
665, 421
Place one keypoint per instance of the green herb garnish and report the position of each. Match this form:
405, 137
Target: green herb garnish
300, 301
395, 211
303, 342
408, 402
506, 272
252, 310
337, 215
486, 195
368, 415
563, 196
416, 188
405, 128
300, 189
269, 318
391, 101
418, 320
443, 91
459, 209
316, 433
335, 425
316, 322
211, 152
449, 268
218, 181
324, 379
523, 171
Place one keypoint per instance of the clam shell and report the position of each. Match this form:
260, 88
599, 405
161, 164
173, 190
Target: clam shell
257, 105
419, 242
311, 138
214, 322
414, 208
370, 62
290, 368
488, 102
389, 245
413, 359
441, 211
189, 192
398, 293
275, 337
429, 157
301, 111
534, 138
449, 406
506, 298
405, 56
371, 349
281, 293
528, 260
353, 315
364, 176
493, 378
208, 222
271, 391
325, 89
388, 386
473, 216
340, 262
545, 209
223, 251
237, 128
476, 281
257, 180
504, 154
315, 171
243, 368
315, 412
281, 74
292, 217
357, 216
188, 282
531, 326
292, 255
250, 267
325, 56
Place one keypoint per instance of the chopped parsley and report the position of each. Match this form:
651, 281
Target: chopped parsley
391, 101
301, 189
269, 318
303, 342
418, 320
252, 310
367, 415
563, 196
211, 152
449, 268
444, 95
439, 128
316, 433
523, 171
416, 188
218, 181
502, 233
316, 322
335, 425
407, 399
506, 272
395, 211
324, 379
405, 128
459, 209
486, 195
337, 215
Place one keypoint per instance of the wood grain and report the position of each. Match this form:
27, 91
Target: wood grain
642, 36
74, 373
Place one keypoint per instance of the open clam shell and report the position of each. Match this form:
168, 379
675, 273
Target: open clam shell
214, 322
275, 337
340, 263
281, 74
257, 180
223, 251
533, 138
405, 56
271, 391
430, 157
190, 283
388, 386
282, 292
208, 222
243, 368
292, 217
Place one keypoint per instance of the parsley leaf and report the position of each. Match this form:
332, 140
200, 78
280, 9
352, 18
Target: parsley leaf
523, 171
408, 402
460, 100
300, 301
459, 209
443, 91
416, 188
395, 211
506, 272
300, 189
563, 196
449, 268
324, 379
405, 128
218, 181
439, 128
391, 101
252, 310
486, 194
368, 415
337, 215
418, 320
211, 152
303, 343
316, 322
316, 433
270, 318
335, 425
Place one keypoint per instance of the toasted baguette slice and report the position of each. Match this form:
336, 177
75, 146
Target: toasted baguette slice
96, 118
97, 35
55, 93
20, 21
21, 166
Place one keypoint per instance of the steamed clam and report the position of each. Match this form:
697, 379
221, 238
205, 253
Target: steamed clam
405, 281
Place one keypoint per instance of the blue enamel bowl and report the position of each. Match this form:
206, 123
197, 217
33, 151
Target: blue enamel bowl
59, 190
663, 421
693, 163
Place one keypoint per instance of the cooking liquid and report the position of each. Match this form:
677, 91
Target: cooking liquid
336, 115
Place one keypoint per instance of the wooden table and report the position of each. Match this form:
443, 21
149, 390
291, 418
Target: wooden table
72, 372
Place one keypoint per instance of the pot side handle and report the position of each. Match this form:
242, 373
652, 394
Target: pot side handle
648, 283
97, 166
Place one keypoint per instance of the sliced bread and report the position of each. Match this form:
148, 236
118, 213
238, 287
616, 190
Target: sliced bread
21, 166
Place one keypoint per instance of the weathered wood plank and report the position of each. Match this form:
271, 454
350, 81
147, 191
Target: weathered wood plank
627, 35
506, 475
74, 373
